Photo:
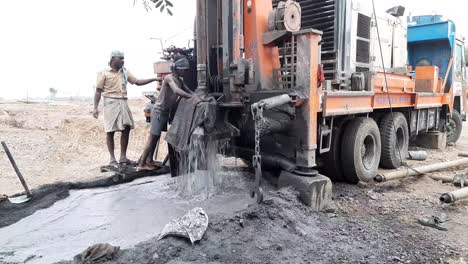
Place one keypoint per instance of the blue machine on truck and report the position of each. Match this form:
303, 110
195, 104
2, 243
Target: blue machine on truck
432, 41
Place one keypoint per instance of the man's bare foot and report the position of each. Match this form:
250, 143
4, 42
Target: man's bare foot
156, 164
127, 161
153, 162
113, 163
146, 167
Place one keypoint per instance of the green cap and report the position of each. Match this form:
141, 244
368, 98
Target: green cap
117, 53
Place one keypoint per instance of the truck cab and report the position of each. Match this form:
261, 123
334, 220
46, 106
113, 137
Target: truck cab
432, 41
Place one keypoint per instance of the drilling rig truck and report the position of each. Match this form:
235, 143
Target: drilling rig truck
315, 91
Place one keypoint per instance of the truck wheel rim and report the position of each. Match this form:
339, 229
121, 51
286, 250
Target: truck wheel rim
368, 152
399, 142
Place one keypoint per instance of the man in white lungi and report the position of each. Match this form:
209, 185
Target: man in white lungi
112, 86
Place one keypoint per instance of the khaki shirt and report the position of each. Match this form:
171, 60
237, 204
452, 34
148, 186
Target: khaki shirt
113, 84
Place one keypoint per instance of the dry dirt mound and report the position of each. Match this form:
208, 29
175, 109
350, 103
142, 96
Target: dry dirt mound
282, 230
7, 119
82, 131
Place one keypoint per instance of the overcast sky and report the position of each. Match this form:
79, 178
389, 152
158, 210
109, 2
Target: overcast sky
64, 43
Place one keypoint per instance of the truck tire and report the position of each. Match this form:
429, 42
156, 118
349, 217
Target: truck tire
454, 127
360, 150
332, 160
394, 145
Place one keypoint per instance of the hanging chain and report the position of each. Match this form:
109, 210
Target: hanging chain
257, 114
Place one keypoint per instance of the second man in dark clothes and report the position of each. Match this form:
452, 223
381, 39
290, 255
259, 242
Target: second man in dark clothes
172, 88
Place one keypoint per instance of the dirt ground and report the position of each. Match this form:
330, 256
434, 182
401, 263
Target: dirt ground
371, 223
60, 141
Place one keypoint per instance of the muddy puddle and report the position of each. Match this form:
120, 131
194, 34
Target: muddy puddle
121, 215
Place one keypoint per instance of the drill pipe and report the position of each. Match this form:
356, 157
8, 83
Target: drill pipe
454, 196
443, 178
202, 48
459, 180
394, 175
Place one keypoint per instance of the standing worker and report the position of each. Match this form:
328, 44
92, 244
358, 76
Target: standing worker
172, 87
112, 86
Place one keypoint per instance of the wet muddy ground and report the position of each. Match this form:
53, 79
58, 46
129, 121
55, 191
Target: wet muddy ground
367, 224
122, 215
282, 230
370, 223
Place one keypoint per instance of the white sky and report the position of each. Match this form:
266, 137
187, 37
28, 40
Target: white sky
64, 43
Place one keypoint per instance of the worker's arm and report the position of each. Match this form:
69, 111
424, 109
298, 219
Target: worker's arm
97, 99
144, 82
177, 90
188, 89
131, 79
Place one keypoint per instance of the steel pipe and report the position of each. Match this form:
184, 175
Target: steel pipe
202, 48
394, 175
443, 178
454, 196
459, 180
275, 101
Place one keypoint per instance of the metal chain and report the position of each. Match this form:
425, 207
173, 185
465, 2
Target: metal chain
257, 114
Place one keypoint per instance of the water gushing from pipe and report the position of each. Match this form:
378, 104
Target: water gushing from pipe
202, 172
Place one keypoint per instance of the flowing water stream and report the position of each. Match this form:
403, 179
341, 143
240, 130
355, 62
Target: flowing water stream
203, 175
121, 215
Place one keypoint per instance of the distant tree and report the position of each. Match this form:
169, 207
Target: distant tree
158, 4
52, 92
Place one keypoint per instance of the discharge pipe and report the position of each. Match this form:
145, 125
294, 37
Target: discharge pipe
275, 101
454, 196
394, 175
